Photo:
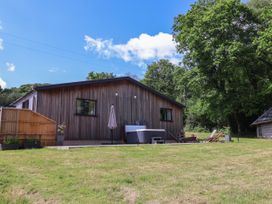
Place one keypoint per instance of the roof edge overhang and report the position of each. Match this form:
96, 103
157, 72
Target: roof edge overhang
101, 81
21, 98
260, 123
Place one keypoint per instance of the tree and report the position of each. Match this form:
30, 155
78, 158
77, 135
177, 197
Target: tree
9, 95
217, 39
263, 8
160, 76
100, 75
264, 40
259, 5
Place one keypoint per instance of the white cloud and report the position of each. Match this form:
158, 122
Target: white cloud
1, 40
137, 50
56, 69
53, 70
1, 44
10, 67
3, 84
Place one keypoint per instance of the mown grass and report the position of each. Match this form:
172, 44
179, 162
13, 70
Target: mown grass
200, 173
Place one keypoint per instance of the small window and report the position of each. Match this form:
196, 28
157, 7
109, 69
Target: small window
25, 104
166, 114
86, 107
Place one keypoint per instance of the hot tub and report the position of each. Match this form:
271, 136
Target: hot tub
144, 136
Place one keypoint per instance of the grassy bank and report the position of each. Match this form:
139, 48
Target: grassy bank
201, 173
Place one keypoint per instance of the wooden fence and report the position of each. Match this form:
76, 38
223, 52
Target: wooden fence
24, 123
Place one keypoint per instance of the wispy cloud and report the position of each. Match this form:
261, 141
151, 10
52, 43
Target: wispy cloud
137, 50
10, 67
52, 70
1, 44
1, 40
56, 69
3, 84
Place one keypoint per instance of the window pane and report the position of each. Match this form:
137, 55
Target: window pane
79, 107
86, 107
169, 114
166, 114
25, 104
163, 114
91, 108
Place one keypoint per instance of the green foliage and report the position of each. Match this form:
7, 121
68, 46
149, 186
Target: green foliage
264, 39
259, 5
161, 77
226, 130
100, 75
9, 95
32, 142
197, 129
228, 78
11, 140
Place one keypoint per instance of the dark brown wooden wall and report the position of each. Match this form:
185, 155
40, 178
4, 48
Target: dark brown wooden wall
60, 105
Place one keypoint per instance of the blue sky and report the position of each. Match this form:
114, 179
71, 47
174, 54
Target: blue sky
61, 41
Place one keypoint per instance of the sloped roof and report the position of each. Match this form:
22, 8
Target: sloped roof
264, 118
21, 98
105, 81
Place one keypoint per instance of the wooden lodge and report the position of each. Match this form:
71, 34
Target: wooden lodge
84, 107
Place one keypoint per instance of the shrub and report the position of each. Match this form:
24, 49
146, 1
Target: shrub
32, 143
189, 128
225, 130
32, 140
11, 140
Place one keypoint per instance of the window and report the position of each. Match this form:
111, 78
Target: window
86, 107
166, 114
25, 104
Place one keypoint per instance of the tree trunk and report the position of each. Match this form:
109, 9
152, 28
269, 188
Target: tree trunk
238, 125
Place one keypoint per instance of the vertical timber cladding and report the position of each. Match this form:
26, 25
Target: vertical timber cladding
132, 104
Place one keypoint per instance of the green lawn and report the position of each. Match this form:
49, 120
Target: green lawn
200, 173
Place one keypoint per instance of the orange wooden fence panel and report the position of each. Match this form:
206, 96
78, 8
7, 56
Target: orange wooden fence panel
25, 123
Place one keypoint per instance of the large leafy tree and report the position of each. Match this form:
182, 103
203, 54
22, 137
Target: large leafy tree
259, 5
160, 76
263, 9
217, 38
100, 75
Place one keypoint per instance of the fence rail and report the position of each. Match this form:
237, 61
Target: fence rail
24, 123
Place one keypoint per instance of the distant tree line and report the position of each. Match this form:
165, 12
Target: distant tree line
9, 95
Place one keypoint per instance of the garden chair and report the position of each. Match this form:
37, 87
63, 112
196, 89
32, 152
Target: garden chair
215, 137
